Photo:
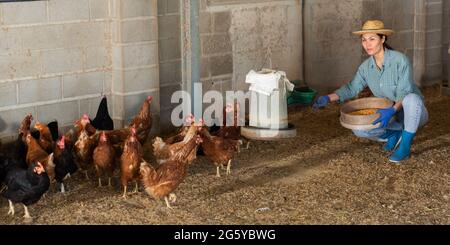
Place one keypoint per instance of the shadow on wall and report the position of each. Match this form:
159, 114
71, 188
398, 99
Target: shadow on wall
2, 125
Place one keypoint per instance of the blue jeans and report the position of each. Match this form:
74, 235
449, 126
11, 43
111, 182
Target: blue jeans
412, 116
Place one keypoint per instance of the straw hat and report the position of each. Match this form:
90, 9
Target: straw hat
374, 26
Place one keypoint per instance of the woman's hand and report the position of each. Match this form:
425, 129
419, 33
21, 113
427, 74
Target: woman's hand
385, 116
322, 101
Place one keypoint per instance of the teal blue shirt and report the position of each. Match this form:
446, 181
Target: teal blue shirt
393, 81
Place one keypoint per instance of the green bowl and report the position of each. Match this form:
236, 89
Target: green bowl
304, 95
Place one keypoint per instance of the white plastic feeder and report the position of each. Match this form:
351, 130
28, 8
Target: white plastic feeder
268, 106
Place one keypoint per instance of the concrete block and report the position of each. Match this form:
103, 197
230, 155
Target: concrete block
11, 40
65, 112
433, 55
166, 93
10, 120
19, 65
8, 95
205, 23
434, 7
221, 65
138, 8
118, 107
140, 55
117, 81
37, 90
434, 21
136, 80
64, 10
132, 104
99, 9
397, 6
162, 6
216, 43
173, 6
204, 67
294, 15
169, 49
98, 57
117, 58
140, 30
222, 21
107, 83
403, 22
24, 12
371, 9
43, 37
273, 15
402, 41
83, 84
62, 60
170, 72
434, 38
244, 19
85, 34
169, 26
433, 73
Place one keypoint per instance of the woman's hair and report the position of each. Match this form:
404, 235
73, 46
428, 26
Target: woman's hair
385, 44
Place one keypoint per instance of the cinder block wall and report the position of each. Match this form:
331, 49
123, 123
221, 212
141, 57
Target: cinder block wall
58, 57
55, 60
169, 40
237, 36
446, 39
135, 65
421, 32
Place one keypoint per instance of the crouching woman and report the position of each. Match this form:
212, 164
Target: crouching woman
388, 74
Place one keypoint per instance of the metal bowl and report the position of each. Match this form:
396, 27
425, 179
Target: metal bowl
362, 122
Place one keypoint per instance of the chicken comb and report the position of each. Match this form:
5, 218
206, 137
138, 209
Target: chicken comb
149, 98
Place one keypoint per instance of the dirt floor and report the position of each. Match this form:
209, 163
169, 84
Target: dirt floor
323, 176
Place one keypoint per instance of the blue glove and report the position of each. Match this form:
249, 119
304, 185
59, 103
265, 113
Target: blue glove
322, 101
385, 116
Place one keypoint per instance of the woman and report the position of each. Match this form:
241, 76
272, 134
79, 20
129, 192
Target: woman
388, 74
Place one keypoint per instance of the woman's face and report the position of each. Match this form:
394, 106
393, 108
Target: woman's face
372, 43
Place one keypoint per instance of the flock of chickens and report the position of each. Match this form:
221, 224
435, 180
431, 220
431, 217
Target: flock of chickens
40, 157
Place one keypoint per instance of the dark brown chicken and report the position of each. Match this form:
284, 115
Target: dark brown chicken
218, 149
130, 161
36, 154
142, 122
162, 181
104, 158
25, 127
45, 137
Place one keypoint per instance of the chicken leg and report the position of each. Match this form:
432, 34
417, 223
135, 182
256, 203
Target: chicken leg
167, 202
3, 188
136, 188
99, 182
124, 192
229, 167
63, 190
109, 182
27, 214
218, 172
11, 210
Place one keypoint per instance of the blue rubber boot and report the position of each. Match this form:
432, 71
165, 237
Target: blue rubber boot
393, 137
404, 150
